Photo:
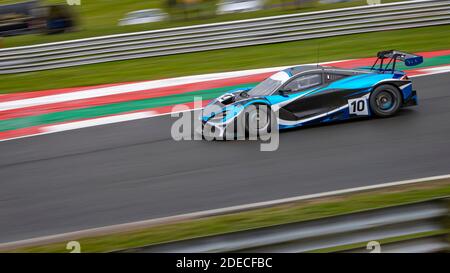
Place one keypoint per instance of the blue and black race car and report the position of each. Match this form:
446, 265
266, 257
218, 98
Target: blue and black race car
310, 94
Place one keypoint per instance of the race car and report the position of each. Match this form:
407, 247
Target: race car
313, 94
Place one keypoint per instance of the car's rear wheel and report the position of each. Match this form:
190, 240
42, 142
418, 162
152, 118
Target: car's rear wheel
385, 100
257, 121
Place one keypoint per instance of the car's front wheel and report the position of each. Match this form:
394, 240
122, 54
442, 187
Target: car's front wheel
385, 100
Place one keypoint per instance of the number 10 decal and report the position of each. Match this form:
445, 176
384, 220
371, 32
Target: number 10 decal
358, 106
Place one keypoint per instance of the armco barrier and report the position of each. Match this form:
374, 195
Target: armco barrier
409, 221
285, 28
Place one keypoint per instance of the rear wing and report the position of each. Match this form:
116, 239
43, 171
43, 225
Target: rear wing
393, 56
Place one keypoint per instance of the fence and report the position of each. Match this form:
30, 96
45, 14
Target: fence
294, 27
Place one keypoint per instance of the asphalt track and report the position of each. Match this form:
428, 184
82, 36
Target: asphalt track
133, 170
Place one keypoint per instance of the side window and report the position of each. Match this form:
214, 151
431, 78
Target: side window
331, 77
304, 82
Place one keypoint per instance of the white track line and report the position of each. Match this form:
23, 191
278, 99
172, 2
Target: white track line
105, 120
97, 121
435, 70
201, 214
128, 88
56, 128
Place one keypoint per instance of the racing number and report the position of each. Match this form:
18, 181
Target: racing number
358, 107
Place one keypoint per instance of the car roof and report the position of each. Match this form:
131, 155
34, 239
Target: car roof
302, 68
292, 71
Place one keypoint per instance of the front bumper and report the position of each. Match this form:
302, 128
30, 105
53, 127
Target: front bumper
411, 100
222, 131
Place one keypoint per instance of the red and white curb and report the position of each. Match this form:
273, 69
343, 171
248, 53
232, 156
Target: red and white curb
148, 113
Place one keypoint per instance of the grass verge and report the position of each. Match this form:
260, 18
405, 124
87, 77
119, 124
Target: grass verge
291, 53
281, 214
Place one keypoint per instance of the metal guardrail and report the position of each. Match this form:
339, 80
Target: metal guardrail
196, 38
430, 244
355, 228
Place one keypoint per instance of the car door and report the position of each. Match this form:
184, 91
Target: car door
306, 88
317, 98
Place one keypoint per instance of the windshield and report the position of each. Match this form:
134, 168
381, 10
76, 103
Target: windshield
269, 85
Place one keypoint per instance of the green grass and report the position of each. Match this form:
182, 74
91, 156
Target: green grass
335, 48
100, 17
300, 211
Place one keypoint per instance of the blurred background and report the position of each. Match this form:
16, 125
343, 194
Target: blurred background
86, 18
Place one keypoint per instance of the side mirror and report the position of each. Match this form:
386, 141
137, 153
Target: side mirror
244, 94
284, 92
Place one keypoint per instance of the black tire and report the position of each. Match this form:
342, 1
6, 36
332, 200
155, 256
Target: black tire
261, 119
385, 100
